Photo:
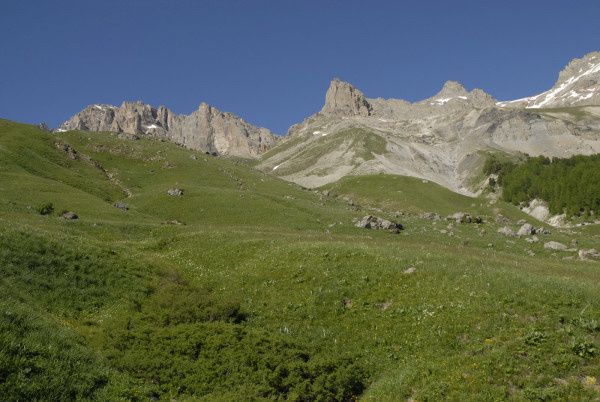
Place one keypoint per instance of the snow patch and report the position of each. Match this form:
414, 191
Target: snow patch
443, 101
276, 167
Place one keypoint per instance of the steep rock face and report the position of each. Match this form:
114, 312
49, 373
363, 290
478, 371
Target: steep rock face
206, 129
578, 84
342, 99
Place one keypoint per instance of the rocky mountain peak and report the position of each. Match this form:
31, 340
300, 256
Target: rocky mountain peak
206, 129
585, 68
578, 84
451, 89
454, 95
343, 99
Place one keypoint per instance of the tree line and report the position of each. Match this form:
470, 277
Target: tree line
569, 185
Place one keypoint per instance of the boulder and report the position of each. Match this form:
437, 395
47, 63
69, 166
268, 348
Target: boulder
538, 209
460, 217
431, 216
69, 215
373, 222
121, 205
588, 254
175, 192
506, 231
532, 239
554, 245
526, 230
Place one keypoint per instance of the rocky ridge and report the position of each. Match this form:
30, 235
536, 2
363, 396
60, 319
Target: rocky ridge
578, 84
443, 138
206, 129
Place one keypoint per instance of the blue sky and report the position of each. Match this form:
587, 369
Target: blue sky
270, 62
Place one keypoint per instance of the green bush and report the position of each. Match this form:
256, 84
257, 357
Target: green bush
189, 343
42, 361
584, 349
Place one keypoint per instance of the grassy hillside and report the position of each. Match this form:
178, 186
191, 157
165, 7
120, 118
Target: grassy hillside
316, 152
248, 287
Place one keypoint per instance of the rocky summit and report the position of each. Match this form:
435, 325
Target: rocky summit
206, 129
578, 84
444, 138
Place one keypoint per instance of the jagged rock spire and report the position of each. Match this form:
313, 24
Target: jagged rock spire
343, 99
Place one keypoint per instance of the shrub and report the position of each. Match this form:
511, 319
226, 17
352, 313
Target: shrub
584, 349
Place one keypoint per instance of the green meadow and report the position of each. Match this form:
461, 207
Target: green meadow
248, 287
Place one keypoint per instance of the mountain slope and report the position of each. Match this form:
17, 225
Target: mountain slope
578, 84
443, 138
206, 129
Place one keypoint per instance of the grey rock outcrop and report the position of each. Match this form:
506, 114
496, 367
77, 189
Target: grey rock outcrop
373, 222
207, 129
342, 99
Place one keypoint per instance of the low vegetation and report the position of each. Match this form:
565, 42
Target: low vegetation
247, 287
570, 185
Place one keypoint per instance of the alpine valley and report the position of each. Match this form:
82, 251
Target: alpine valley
381, 250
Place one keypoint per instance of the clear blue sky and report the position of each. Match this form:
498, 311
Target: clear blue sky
271, 61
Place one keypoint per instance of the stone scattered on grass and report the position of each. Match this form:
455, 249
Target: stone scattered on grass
554, 245
121, 205
373, 222
69, 215
526, 229
175, 192
462, 217
588, 254
431, 216
506, 231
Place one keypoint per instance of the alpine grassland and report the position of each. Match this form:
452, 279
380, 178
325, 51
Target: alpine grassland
248, 287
